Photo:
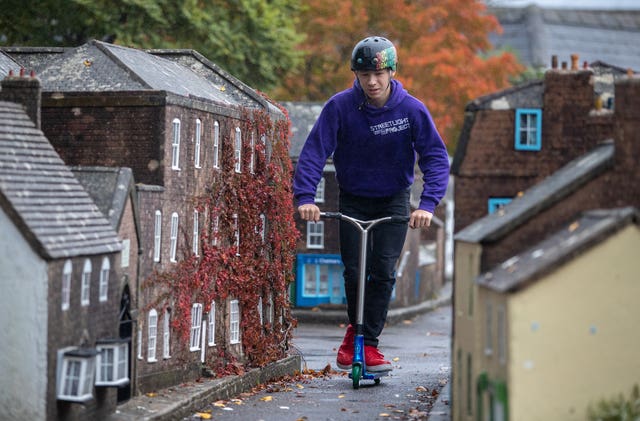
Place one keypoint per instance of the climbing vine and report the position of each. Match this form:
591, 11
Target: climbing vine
247, 249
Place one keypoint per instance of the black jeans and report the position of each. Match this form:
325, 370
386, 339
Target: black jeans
385, 245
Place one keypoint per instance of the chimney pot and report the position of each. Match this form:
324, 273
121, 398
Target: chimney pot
574, 61
22, 72
10, 72
554, 62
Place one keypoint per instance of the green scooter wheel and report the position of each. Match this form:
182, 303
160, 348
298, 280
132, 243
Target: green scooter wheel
356, 373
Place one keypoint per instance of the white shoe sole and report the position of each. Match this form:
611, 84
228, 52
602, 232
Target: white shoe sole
379, 368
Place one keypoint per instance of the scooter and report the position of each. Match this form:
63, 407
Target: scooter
358, 367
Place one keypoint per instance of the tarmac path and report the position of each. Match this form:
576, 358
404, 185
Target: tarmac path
416, 389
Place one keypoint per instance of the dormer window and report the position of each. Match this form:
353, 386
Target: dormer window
528, 133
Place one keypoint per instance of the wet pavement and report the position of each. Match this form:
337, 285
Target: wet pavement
416, 389
417, 342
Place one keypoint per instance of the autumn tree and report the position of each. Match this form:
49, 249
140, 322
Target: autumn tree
252, 39
443, 48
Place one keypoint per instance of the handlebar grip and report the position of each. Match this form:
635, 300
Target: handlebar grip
334, 215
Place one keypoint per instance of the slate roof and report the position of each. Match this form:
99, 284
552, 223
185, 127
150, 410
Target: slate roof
43, 198
537, 33
33, 58
7, 64
590, 229
221, 79
542, 195
303, 116
109, 187
99, 66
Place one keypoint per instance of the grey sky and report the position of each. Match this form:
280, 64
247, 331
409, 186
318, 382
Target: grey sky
574, 4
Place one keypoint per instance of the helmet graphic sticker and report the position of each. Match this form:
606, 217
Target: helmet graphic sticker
374, 53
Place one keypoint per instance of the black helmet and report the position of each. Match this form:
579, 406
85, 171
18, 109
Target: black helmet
374, 53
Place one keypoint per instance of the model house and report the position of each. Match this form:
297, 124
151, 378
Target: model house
113, 191
203, 153
595, 152
555, 321
62, 355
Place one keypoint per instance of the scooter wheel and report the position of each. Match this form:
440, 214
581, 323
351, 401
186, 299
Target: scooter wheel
356, 373
377, 381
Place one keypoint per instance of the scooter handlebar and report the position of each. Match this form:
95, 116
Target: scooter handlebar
338, 215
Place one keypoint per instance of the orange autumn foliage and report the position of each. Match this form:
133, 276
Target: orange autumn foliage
443, 52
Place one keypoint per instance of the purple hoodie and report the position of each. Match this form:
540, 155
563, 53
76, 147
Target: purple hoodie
374, 149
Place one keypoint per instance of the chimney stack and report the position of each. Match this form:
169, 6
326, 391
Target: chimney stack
25, 90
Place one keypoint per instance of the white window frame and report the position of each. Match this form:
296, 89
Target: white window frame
157, 236
320, 189
237, 150
112, 364
211, 325
104, 280
315, 235
85, 284
175, 144
195, 245
67, 271
216, 230
260, 311
234, 322
166, 334
173, 250
236, 233
140, 356
196, 327
252, 161
196, 153
76, 377
152, 339
124, 254
216, 145
263, 227
270, 311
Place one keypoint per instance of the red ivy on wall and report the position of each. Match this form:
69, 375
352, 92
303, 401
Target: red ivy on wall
258, 267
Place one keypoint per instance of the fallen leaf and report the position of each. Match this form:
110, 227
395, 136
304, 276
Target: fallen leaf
396, 359
152, 394
203, 415
340, 396
384, 415
299, 386
574, 226
421, 389
267, 398
219, 404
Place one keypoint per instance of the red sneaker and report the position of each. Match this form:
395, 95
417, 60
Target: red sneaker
345, 352
375, 360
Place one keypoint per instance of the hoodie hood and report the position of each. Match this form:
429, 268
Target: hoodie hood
398, 94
